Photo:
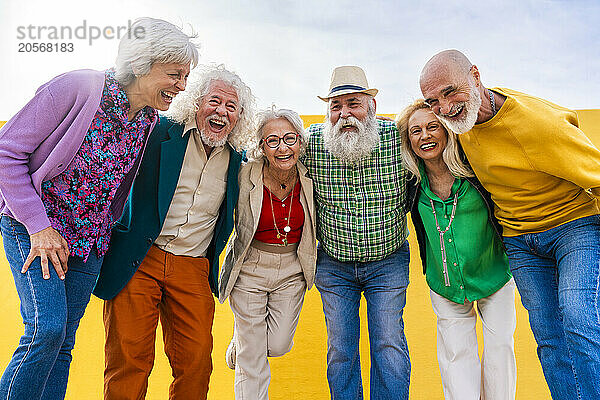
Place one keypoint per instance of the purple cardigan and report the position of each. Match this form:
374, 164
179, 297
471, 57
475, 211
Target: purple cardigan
41, 140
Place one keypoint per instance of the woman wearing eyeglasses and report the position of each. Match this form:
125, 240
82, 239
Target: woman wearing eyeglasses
271, 259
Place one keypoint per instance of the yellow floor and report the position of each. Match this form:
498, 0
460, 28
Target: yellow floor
301, 373
298, 375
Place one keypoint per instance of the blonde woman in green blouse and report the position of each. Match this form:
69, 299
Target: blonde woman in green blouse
463, 260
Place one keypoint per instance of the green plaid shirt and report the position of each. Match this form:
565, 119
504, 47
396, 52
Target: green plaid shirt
360, 209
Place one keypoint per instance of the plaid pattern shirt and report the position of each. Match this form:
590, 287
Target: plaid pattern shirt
361, 213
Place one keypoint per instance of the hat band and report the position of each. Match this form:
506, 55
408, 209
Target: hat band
345, 87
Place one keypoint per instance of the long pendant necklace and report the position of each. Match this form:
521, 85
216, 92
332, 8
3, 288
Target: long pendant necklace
286, 228
442, 245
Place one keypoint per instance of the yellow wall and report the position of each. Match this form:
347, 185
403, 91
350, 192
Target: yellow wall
301, 373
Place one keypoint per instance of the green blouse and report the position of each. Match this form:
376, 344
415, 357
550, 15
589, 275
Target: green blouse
475, 260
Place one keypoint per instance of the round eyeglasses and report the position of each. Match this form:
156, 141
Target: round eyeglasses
273, 141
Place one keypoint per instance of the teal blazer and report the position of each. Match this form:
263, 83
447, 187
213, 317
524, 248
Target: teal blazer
148, 203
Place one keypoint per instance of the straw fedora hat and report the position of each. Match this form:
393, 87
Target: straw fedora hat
348, 79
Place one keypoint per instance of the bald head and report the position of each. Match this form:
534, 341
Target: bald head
451, 87
447, 61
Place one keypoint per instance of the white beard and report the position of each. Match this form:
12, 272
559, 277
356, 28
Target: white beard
471, 108
211, 141
351, 147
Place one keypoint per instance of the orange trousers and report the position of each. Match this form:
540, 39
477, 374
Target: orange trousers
176, 290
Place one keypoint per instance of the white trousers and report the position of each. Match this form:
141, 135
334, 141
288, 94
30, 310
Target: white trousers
266, 302
464, 376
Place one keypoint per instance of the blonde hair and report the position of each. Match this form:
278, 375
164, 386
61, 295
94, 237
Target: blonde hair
451, 154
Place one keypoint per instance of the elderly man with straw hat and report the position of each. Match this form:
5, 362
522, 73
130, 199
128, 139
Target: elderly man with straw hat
355, 163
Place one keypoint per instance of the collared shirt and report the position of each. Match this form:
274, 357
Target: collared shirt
78, 200
475, 259
360, 208
190, 222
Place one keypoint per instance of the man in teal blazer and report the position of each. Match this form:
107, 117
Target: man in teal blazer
163, 260
145, 211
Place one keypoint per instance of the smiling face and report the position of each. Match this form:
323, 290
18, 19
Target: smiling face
428, 137
217, 114
283, 157
158, 87
453, 96
350, 131
348, 107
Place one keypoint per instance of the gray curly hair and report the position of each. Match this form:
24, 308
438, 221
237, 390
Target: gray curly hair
151, 40
186, 104
264, 117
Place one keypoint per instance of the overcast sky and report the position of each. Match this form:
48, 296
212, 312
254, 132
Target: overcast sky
286, 50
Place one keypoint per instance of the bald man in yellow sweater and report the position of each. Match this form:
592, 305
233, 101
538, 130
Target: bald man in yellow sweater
544, 176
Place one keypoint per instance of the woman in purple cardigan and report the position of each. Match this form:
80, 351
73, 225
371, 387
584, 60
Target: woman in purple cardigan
67, 162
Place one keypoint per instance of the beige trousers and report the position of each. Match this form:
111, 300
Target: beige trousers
266, 302
464, 376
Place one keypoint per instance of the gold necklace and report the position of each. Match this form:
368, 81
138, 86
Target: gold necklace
283, 185
286, 228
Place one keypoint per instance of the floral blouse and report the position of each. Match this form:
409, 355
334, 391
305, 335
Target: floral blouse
78, 200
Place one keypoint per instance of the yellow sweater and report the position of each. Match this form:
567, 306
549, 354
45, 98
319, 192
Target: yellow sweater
540, 168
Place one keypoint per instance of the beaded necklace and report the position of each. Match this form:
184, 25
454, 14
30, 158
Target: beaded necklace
442, 245
492, 102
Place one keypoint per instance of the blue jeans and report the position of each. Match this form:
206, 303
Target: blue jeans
51, 310
384, 285
557, 273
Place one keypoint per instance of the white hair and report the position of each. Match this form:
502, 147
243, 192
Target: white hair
151, 40
187, 103
264, 117
351, 148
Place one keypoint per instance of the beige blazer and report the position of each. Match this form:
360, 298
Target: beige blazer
247, 214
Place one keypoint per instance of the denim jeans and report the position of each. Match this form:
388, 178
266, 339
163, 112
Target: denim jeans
51, 310
384, 285
557, 273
